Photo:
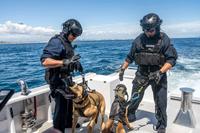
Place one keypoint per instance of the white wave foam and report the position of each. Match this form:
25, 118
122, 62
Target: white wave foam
184, 60
184, 79
189, 64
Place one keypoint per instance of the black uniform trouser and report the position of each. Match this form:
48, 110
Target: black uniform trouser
63, 113
159, 93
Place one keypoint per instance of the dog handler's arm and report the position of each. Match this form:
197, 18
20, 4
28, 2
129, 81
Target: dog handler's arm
52, 63
171, 56
166, 67
129, 59
51, 54
50, 57
130, 56
125, 65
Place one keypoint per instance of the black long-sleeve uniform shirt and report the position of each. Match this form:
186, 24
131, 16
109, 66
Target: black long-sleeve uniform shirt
167, 49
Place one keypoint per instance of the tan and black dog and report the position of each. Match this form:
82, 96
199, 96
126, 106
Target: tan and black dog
118, 113
87, 104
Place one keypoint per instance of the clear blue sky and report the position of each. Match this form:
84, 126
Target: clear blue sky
93, 12
96, 12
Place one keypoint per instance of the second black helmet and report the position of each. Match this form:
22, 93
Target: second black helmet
150, 20
72, 26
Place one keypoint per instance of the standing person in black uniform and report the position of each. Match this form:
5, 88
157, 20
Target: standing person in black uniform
59, 59
154, 55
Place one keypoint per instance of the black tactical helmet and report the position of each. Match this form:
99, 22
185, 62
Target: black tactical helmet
72, 26
150, 20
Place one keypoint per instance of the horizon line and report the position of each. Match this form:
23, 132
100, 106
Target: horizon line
90, 40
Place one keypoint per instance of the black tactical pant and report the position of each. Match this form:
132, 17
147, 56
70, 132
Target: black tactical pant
63, 113
160, 97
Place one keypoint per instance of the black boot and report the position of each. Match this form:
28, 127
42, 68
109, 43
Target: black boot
161, 130
78, 125
132, 117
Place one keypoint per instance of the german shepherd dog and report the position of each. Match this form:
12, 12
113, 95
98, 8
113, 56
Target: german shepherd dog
118, 112
87, 104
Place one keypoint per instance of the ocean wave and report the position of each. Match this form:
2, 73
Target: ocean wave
184, 79
102, 57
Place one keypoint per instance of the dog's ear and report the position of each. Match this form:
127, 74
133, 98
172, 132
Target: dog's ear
73, 87
70, 82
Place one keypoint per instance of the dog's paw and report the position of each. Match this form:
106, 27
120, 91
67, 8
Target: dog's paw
103, 126
130, 127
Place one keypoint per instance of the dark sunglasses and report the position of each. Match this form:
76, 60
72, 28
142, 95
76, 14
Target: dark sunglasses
74, 35
150, 30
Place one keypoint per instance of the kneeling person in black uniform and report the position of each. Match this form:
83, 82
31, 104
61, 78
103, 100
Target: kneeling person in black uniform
154, 55
59, 59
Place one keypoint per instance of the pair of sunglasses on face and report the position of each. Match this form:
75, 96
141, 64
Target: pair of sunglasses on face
74, 35
150, 30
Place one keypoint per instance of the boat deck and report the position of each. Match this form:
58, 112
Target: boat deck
145, 115
146, 119
104, 84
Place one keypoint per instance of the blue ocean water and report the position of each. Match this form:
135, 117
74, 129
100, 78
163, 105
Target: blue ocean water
22, 61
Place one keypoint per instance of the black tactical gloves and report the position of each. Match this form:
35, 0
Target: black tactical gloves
121, 74
78, 67
156, 76
73, 64
74, 59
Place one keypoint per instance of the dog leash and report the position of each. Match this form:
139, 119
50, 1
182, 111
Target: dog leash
86, 87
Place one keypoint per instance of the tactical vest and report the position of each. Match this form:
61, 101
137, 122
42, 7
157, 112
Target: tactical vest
68, 47
150, 54
52, 73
